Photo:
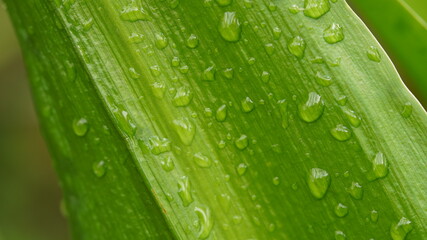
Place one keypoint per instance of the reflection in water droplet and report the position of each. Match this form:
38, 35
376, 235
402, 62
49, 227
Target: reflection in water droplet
312, 109
229, 27
318, 182
206, 222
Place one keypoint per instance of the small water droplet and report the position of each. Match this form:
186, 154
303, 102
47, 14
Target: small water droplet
316, 8
221, 113
175, 61
352, 117
158, 89
224, 3
400, 230
248, 3
167, 164
294, 9
342, 100
185, 129
155, 70
98, 168
276, 181
318, 182
136, 38
296, 46
355, 190
265, 76
272, 6
174, 3
133, 73
407, 110
209, 74
242, 142
229, 27
341, 210
251, 61
269, 48
283, 107
340, 235
184, 191
159, 145
324, 80
247, 105
182, 97
80, 126
184, 69
341, 133
373, 54
160, 41
277, 32
192, 41
133, 13
334, 33
312, 109
380, 166
202, 160
241, 169
374, 216
228, 73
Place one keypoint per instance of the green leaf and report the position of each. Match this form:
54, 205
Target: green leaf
277, 124
402, 26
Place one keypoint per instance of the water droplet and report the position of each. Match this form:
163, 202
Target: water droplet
242, 142
185, 129
80, 126
342, 100
136, 38
251, 61
174, 4
160, 41
184, 191
334, 33
237, 219
241, 169
341, 133
341, 210
208, 112
276, 181
324, 80
133, 73
296, 46
352, 117
158, 89
155, 70
167, 164
399, 230
316, 8
269, 48
98, 168
192, 41
355, 190
221, 113
265, 76
86, 25
133, 13
373, 54
224, 3
374, 216
184, 69
407, 110
159, 145
248, 3
318, 182
271, 227
175, 61
340, 235
294, 9
277, 32
247, 105
272, 6
229, 27
206, 222
380, 166
202, 160
283, 107
312, 109
209, 74
228, 73
182, 97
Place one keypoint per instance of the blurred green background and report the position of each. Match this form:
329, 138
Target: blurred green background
30, 195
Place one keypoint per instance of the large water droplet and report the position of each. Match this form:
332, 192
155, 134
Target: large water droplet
247, 105
98, 168
242, 142
334, 33
341, 133
316, 8
209, 74
185, 129
205, 220
229, 27
296, 46
202, 160
373, 54
80, 126
341, 210
221, 113
184, 191
159, 145
160, 41
182, 97
312, 109
355, 190
283, 107
400, 230
134, 13
318, 182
